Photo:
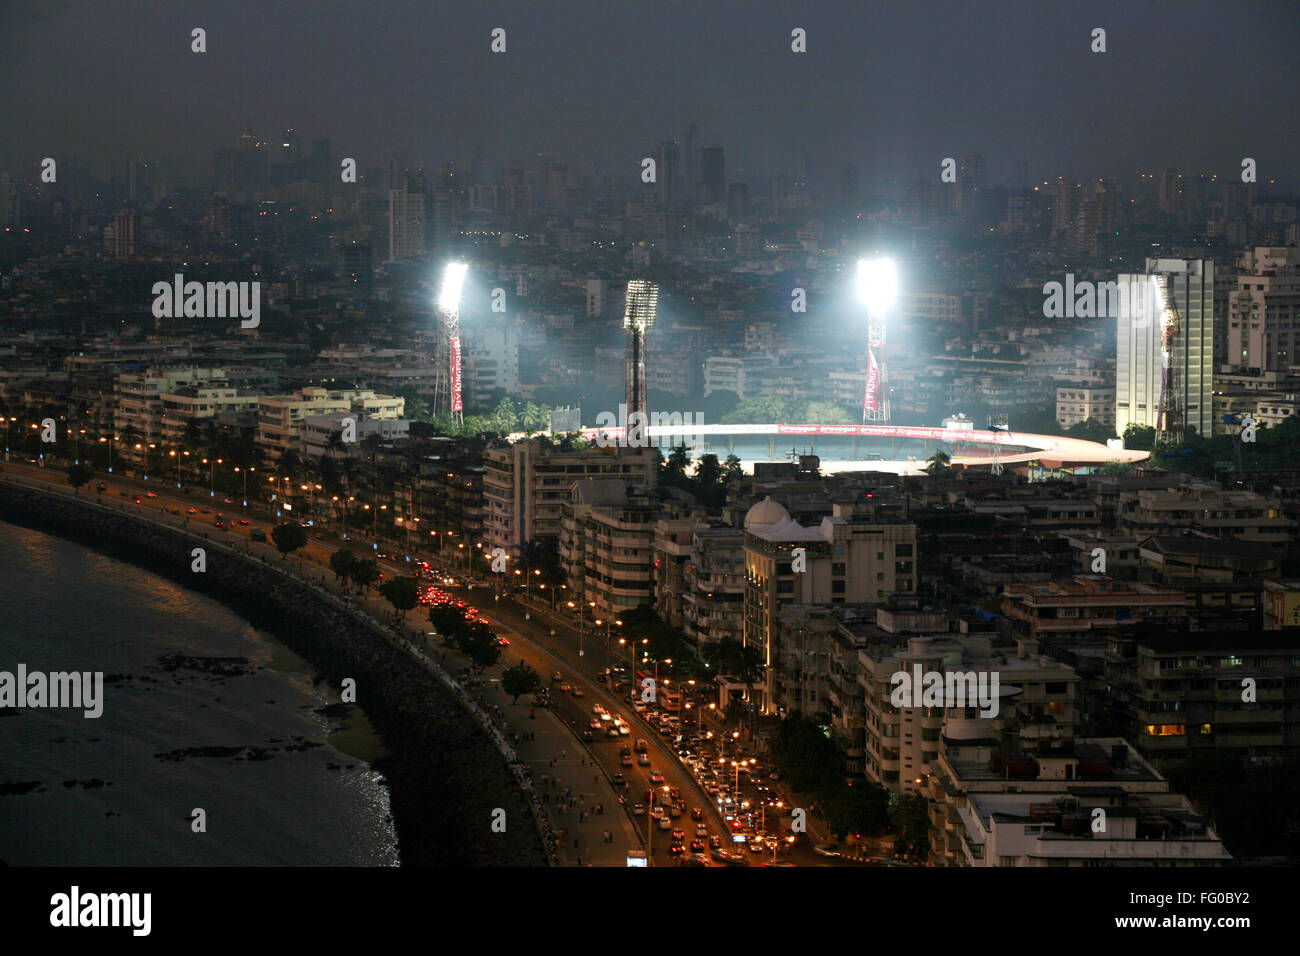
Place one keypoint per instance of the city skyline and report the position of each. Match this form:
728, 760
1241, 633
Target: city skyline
1019, 85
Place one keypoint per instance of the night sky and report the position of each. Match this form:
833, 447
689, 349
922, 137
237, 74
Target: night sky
891, 86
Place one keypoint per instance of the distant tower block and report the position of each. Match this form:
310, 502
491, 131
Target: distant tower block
638, 319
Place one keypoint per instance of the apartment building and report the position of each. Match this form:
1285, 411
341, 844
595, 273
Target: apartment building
1201, 506
713, 596
1175, 694
526, 485
1076, 404
203, 403
606, 545
1086, 606
138, 403
280, 417
847, 558
1035, 704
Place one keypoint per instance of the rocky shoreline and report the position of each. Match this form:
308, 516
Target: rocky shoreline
444, 774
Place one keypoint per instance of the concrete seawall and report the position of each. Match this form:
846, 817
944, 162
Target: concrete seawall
444, 774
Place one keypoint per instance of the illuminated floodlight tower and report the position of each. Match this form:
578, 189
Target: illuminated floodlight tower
638, 319
877, 290
447, 382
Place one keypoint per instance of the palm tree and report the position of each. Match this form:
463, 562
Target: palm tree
939, 462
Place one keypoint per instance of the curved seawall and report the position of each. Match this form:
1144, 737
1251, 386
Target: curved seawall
445, 775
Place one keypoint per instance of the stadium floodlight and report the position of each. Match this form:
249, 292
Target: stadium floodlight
642, 303
877, 283
453, 278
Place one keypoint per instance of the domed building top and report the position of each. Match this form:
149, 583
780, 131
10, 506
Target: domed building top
766, 511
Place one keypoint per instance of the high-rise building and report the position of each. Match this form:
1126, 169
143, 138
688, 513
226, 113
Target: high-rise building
357, 264
668, 172
1158, 364
737, 201
407, 231
713, 175
1170, 190
556, 191
1264, 311
1065, 201
10, 208
125, 225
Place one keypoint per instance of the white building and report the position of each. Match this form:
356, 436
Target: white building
1139, 367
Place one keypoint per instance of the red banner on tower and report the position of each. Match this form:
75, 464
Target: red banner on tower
873, 383
456, 405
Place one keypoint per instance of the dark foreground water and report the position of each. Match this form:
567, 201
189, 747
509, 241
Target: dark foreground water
194, 716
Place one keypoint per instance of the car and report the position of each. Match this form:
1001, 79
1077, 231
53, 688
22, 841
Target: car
137, 499
619, 780
641, 745
565, 688
698, 846
612, 731
556, 676
192, 511
674, 811
243, 521
218, 524
205, 511
756, 847
229, 501
625, 760
638, 809
722, 856
150, 494
625, 751
698, 859
656, 778
676, 849
715, 841
697, 813
604, 714
623, 729
825, 850
675, 794
577, 692
588, 736
701, 830
643, 760
594, 725
773, 776
678, 836
503, 642
665, 823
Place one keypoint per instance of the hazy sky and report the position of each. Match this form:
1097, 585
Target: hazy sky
893, 85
